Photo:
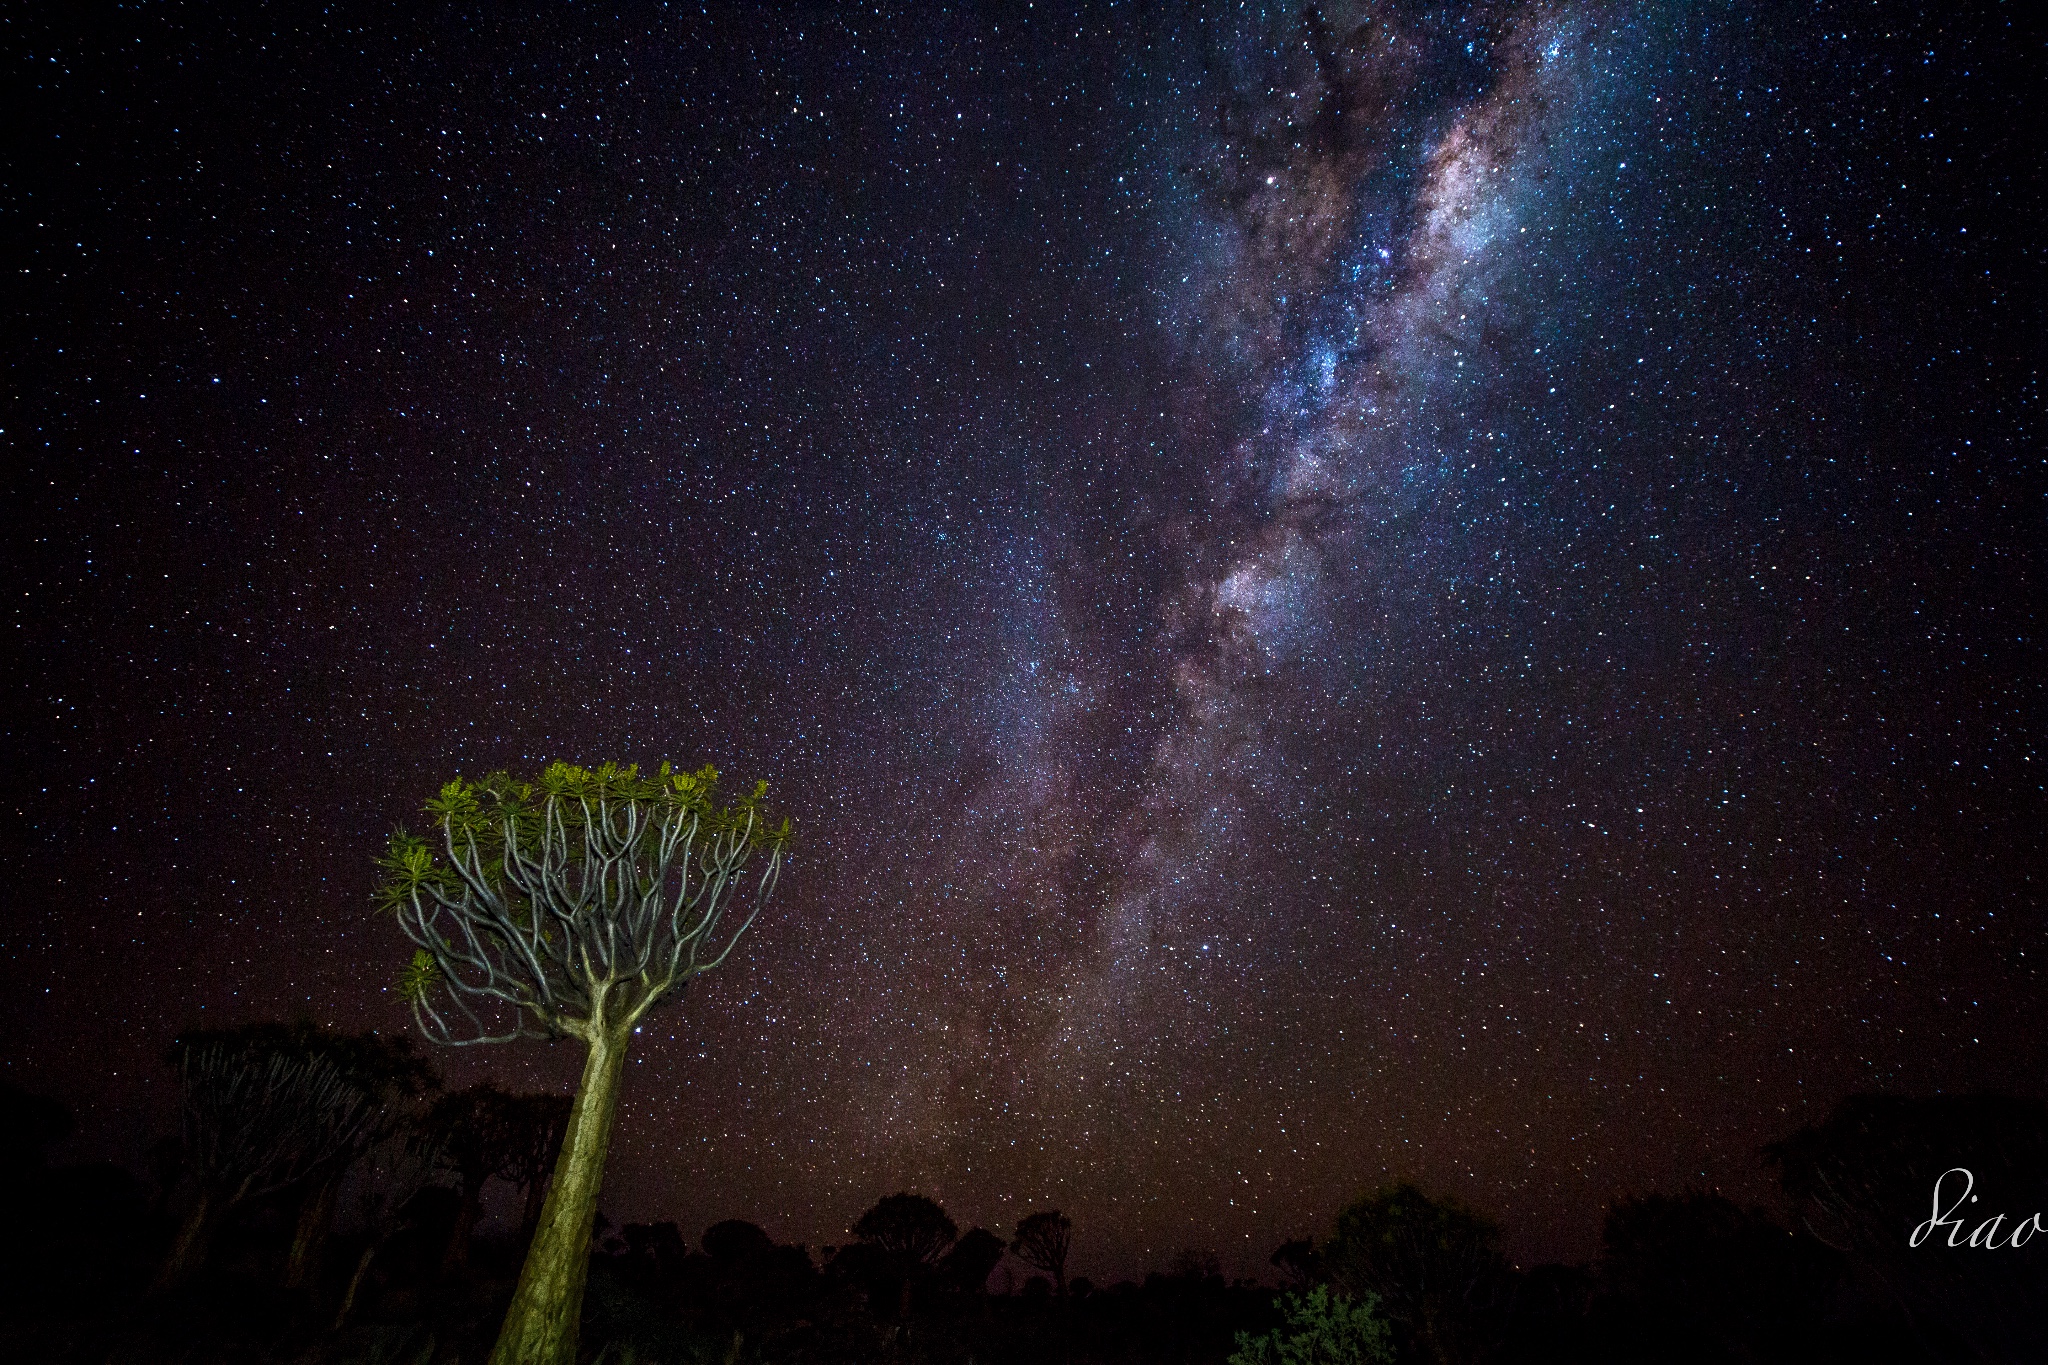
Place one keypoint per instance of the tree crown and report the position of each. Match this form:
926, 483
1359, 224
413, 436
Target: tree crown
908, 1226
1042, 1241
263, 1108
575, 900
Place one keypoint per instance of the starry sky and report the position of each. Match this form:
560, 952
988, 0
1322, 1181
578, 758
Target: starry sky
1383, 591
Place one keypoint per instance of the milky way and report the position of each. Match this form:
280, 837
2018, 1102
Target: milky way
1338, 594
1355, 369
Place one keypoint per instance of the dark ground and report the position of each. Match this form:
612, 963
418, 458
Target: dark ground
1687, 1278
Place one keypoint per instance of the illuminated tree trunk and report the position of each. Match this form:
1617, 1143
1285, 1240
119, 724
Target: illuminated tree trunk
529, 1213
547, 1308
572, 905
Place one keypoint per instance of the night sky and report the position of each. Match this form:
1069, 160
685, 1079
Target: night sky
1384, 592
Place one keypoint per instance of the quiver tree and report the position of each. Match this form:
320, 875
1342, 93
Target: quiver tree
472, 1130
909, 1230
399, 1169
483, 1132
1042, 1242
1433, 1265
572, 905
396, 1077
972, 1260
256, 1118
898, 1243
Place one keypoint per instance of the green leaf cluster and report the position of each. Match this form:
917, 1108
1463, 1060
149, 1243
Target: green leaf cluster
1319, 1329
419, 977
502, 808
410, 866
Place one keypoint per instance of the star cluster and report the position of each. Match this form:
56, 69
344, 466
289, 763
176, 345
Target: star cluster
1339, 594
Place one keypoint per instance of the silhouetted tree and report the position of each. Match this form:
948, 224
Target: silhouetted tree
736, 1243
257, 1116
650, 1258
29, 1124
1433, 1264
753, 1283
1042, 1242
478, 1137
401, 1167
1549, 1323
1696, 1277
397, 1077
1187, 1315
911, 1230
571, 905
972, 1260
897, 1243
1864, 1180
1298, 1262
75, 1235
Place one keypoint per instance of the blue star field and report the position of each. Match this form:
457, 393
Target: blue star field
1338, 594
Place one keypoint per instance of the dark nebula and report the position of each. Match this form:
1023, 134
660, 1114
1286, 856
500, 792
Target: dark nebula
1338, 594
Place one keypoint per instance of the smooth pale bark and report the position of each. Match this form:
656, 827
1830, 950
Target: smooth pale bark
542, 1324
536, 1196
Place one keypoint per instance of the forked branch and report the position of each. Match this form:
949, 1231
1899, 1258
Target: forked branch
575, 902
